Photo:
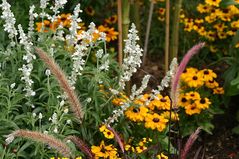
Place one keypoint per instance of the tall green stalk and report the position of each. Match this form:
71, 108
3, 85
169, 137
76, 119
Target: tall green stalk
135, 14
125, 29
175, 29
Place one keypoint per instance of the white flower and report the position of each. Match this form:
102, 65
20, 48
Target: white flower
88, 100
40, 116
132, 53
34, 115
99, 53
48, 72
9, 18
55, 130
66, 111
68, 121
12, 85
9, 138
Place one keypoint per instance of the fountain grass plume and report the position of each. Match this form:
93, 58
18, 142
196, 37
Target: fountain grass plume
75, 104
175, 81
117, 138
53, 142
81, 145
189, 143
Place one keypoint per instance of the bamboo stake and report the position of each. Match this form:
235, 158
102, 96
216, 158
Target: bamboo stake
125, 29
175, 29
135, 15
167, 32
120, 41
148, 31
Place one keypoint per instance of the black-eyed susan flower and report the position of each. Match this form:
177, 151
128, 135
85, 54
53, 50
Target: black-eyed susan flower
187, 72
90, 11
194, 80
211, 84
183, 101
108, 134
64, 19
111, 34
111, 20
155, 121
202, 103
207, 74
192, 109
203, 8
192, 95
213, 2
45, 26
162, 156
140, 149
104, 151
162, 102
166, 115
136, 114
218, 90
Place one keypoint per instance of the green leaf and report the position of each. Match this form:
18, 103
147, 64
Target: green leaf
207, 127
226, 3
235, 130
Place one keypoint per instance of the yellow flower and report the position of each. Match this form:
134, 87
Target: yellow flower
192, 109
64, 20
203, 103
45, 26
136, 114
90, 11
183, 101
155, 121
111, 20
194, 80
111, 34
162, 103
213, 2
187, 72
140, 149
162, 156
166, 115
161, 11
213, 48
192, 95
104, 151
203, 8
108, 134
207, 74
211, 84
218, 90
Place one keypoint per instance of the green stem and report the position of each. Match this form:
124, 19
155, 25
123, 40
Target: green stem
175, 29
148, 31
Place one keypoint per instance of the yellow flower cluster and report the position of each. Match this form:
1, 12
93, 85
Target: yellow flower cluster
154, 114
139, 147
192, 101
65, 21
215, 23
104, 151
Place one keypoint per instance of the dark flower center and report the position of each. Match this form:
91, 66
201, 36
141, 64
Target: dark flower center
202, 101
211, 81
195, 78
135, 110
156, 120
206, 72
163, 100
184, 100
